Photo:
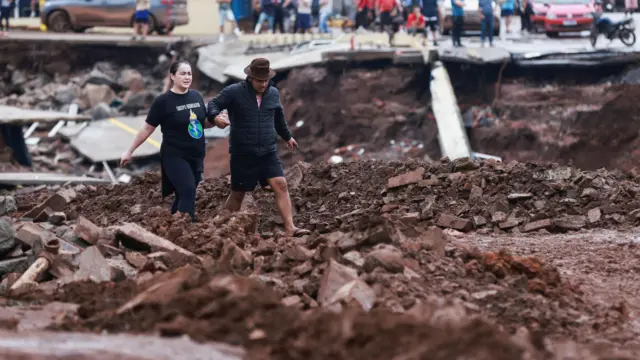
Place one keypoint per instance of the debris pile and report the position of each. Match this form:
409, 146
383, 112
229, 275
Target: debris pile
120, 262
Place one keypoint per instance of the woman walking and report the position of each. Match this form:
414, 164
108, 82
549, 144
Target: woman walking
180, 113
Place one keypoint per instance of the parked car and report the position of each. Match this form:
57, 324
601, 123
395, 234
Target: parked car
472, 18
568, 16
79, 15
540, 8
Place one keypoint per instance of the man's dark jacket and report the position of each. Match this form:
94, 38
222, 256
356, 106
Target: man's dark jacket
253, 129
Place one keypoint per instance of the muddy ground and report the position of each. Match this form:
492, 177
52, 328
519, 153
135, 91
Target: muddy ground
498, 287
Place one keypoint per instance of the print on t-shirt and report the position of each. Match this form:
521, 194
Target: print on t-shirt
195, 128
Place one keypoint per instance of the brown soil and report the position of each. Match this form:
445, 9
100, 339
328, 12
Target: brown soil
584, 126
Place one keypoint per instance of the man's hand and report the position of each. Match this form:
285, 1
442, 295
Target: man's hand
222, 120
292, 144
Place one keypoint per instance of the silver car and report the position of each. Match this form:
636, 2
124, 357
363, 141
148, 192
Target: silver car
79, 15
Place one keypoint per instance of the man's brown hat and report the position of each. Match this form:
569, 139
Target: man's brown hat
259, 69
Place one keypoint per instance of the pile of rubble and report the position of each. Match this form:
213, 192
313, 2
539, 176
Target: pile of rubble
380, 272
104, 91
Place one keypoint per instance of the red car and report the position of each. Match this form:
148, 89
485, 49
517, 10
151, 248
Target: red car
540, 8
568, 16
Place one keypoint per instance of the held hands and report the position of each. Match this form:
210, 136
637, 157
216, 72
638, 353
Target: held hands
222, 120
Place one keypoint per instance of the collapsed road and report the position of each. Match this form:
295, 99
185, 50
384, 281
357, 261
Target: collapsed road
412, 253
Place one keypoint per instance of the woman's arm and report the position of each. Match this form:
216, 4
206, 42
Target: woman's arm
141, 137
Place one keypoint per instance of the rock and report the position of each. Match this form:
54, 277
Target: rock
298, 253
479, 221
388, 207
57, 218
136, 237
99, 77
353, 291
102, 111
433, 181
537, 225
296, 173
18, 77
17, 265
30, 234
57, 67
7, 205
508, 224
594, 215
475, 193
560, 173
571, 222
386, 257
137, 101
292, 301
87, 231
93, 266
123, 269
410, 218
519, 196
335, 276
411, 177
465, 164
7, 236
498, 217
355, 258
454, 222
66, 94
136, 259
233, 258
130, 78
93, 94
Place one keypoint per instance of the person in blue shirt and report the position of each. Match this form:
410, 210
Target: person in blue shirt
457, 18
485, 7
508, 9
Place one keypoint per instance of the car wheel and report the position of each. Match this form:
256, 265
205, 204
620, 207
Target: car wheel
80, 30
552, 34
164, 30
58, 21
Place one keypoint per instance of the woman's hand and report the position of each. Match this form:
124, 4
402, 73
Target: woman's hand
126, 158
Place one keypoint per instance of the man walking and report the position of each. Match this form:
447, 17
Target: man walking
256, 117
226, 14
485, 8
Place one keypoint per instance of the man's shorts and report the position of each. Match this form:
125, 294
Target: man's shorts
507, 12
385, 18
432, 23
226, 13
304, 21
142, 16
249, 170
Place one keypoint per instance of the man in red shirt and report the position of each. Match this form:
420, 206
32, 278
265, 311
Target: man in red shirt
415, 22
384, 9
365, 13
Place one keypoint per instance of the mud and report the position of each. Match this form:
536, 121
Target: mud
585, 126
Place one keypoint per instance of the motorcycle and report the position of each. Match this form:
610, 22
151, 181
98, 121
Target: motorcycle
624, 30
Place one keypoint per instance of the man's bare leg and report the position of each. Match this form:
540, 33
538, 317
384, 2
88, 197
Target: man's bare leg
283, 202
136, 30
234, 201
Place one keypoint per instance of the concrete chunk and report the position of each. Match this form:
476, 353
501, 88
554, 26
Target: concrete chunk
571, 222
136, 237
594, 215
335, 277
537, 225
454, 222
87, 231
93, 266
356, 290
56, 202
30, 234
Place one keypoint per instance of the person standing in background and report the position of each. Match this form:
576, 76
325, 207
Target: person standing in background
304, 16
430, 12
226, 14
267, 12
256, 12
364, 15
507, 11
630, 6
385, 7
326, 10
141, 19
525, 15
486, 25
457, 19
6, 9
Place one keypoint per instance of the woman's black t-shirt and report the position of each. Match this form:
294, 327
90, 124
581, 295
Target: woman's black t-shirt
181, 118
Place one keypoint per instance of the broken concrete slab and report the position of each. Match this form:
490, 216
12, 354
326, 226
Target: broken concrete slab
93, 266
56, 202
136, 237
356, 290
83, 346
18, 116
454, 222
411, 177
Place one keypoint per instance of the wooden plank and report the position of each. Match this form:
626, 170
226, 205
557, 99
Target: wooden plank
18, 116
